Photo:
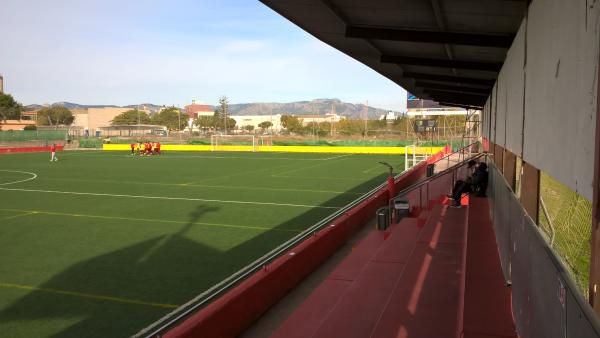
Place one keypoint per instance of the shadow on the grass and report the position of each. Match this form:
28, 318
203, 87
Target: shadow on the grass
170, 269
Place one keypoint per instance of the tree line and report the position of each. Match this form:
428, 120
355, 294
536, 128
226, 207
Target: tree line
174, 119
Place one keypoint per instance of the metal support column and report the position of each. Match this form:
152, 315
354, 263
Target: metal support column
595, 244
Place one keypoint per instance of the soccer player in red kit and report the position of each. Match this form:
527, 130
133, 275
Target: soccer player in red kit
158, 148
132, 149
53, 158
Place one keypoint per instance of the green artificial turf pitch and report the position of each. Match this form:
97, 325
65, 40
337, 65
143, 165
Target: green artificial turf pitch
101, 244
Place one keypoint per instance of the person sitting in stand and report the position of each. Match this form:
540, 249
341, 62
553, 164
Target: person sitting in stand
475, 184
471, 166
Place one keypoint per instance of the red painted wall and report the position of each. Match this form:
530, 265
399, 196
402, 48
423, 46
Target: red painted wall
28, 149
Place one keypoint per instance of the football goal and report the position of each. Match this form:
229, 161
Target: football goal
265, 141
411, 158
233, 143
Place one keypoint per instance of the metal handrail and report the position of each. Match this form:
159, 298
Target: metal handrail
157, 328
459, 151
441, 173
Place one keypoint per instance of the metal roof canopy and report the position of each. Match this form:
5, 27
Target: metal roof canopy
449, 51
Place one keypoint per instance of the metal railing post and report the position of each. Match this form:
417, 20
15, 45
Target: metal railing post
428, 194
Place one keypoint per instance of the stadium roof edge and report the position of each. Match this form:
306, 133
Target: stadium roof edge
446, 43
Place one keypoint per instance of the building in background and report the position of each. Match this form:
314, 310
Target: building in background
91, 119
389, 117
254, 120
329, 117
425, 108
195, 109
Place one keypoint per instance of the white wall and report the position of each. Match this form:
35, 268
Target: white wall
556, 50
513, 75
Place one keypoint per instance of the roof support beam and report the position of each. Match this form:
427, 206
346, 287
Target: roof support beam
452, 79
454, 88
406, 60
466, 99
466, 106
482, 40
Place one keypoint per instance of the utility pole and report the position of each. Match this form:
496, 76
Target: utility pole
225, 117
366, 118
332, 117
178, 123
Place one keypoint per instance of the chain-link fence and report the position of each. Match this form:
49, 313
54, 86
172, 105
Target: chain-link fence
566, 221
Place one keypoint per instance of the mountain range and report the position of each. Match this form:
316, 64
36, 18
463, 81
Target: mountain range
314, 107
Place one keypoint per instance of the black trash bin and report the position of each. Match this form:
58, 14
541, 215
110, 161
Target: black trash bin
383, 218
430, 169
401, 209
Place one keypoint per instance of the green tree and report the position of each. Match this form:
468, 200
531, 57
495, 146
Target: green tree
222, 114
53, 116
248, 127
221, 123
324, 128
265, 125
230, 123
205, 122
130, 117
292, 124
9, 108
172, 118
351, 127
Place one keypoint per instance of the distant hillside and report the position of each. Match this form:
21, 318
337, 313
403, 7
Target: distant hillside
318, 106
68, 105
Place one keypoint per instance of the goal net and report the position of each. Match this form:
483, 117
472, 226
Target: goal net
265, 141
233, 143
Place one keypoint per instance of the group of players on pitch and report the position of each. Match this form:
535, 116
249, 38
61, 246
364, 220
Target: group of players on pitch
145, 149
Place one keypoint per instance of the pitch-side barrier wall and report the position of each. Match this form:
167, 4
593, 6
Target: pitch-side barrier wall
288, 149
236, 310
27, 149
545, 300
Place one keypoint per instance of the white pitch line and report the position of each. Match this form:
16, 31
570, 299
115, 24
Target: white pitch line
169, 198
334, 157
281, 174
33, 176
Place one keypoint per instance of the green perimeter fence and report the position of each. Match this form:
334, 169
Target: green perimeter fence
32, 135
94, 142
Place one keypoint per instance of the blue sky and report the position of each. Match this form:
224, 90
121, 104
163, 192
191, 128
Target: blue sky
170, 52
